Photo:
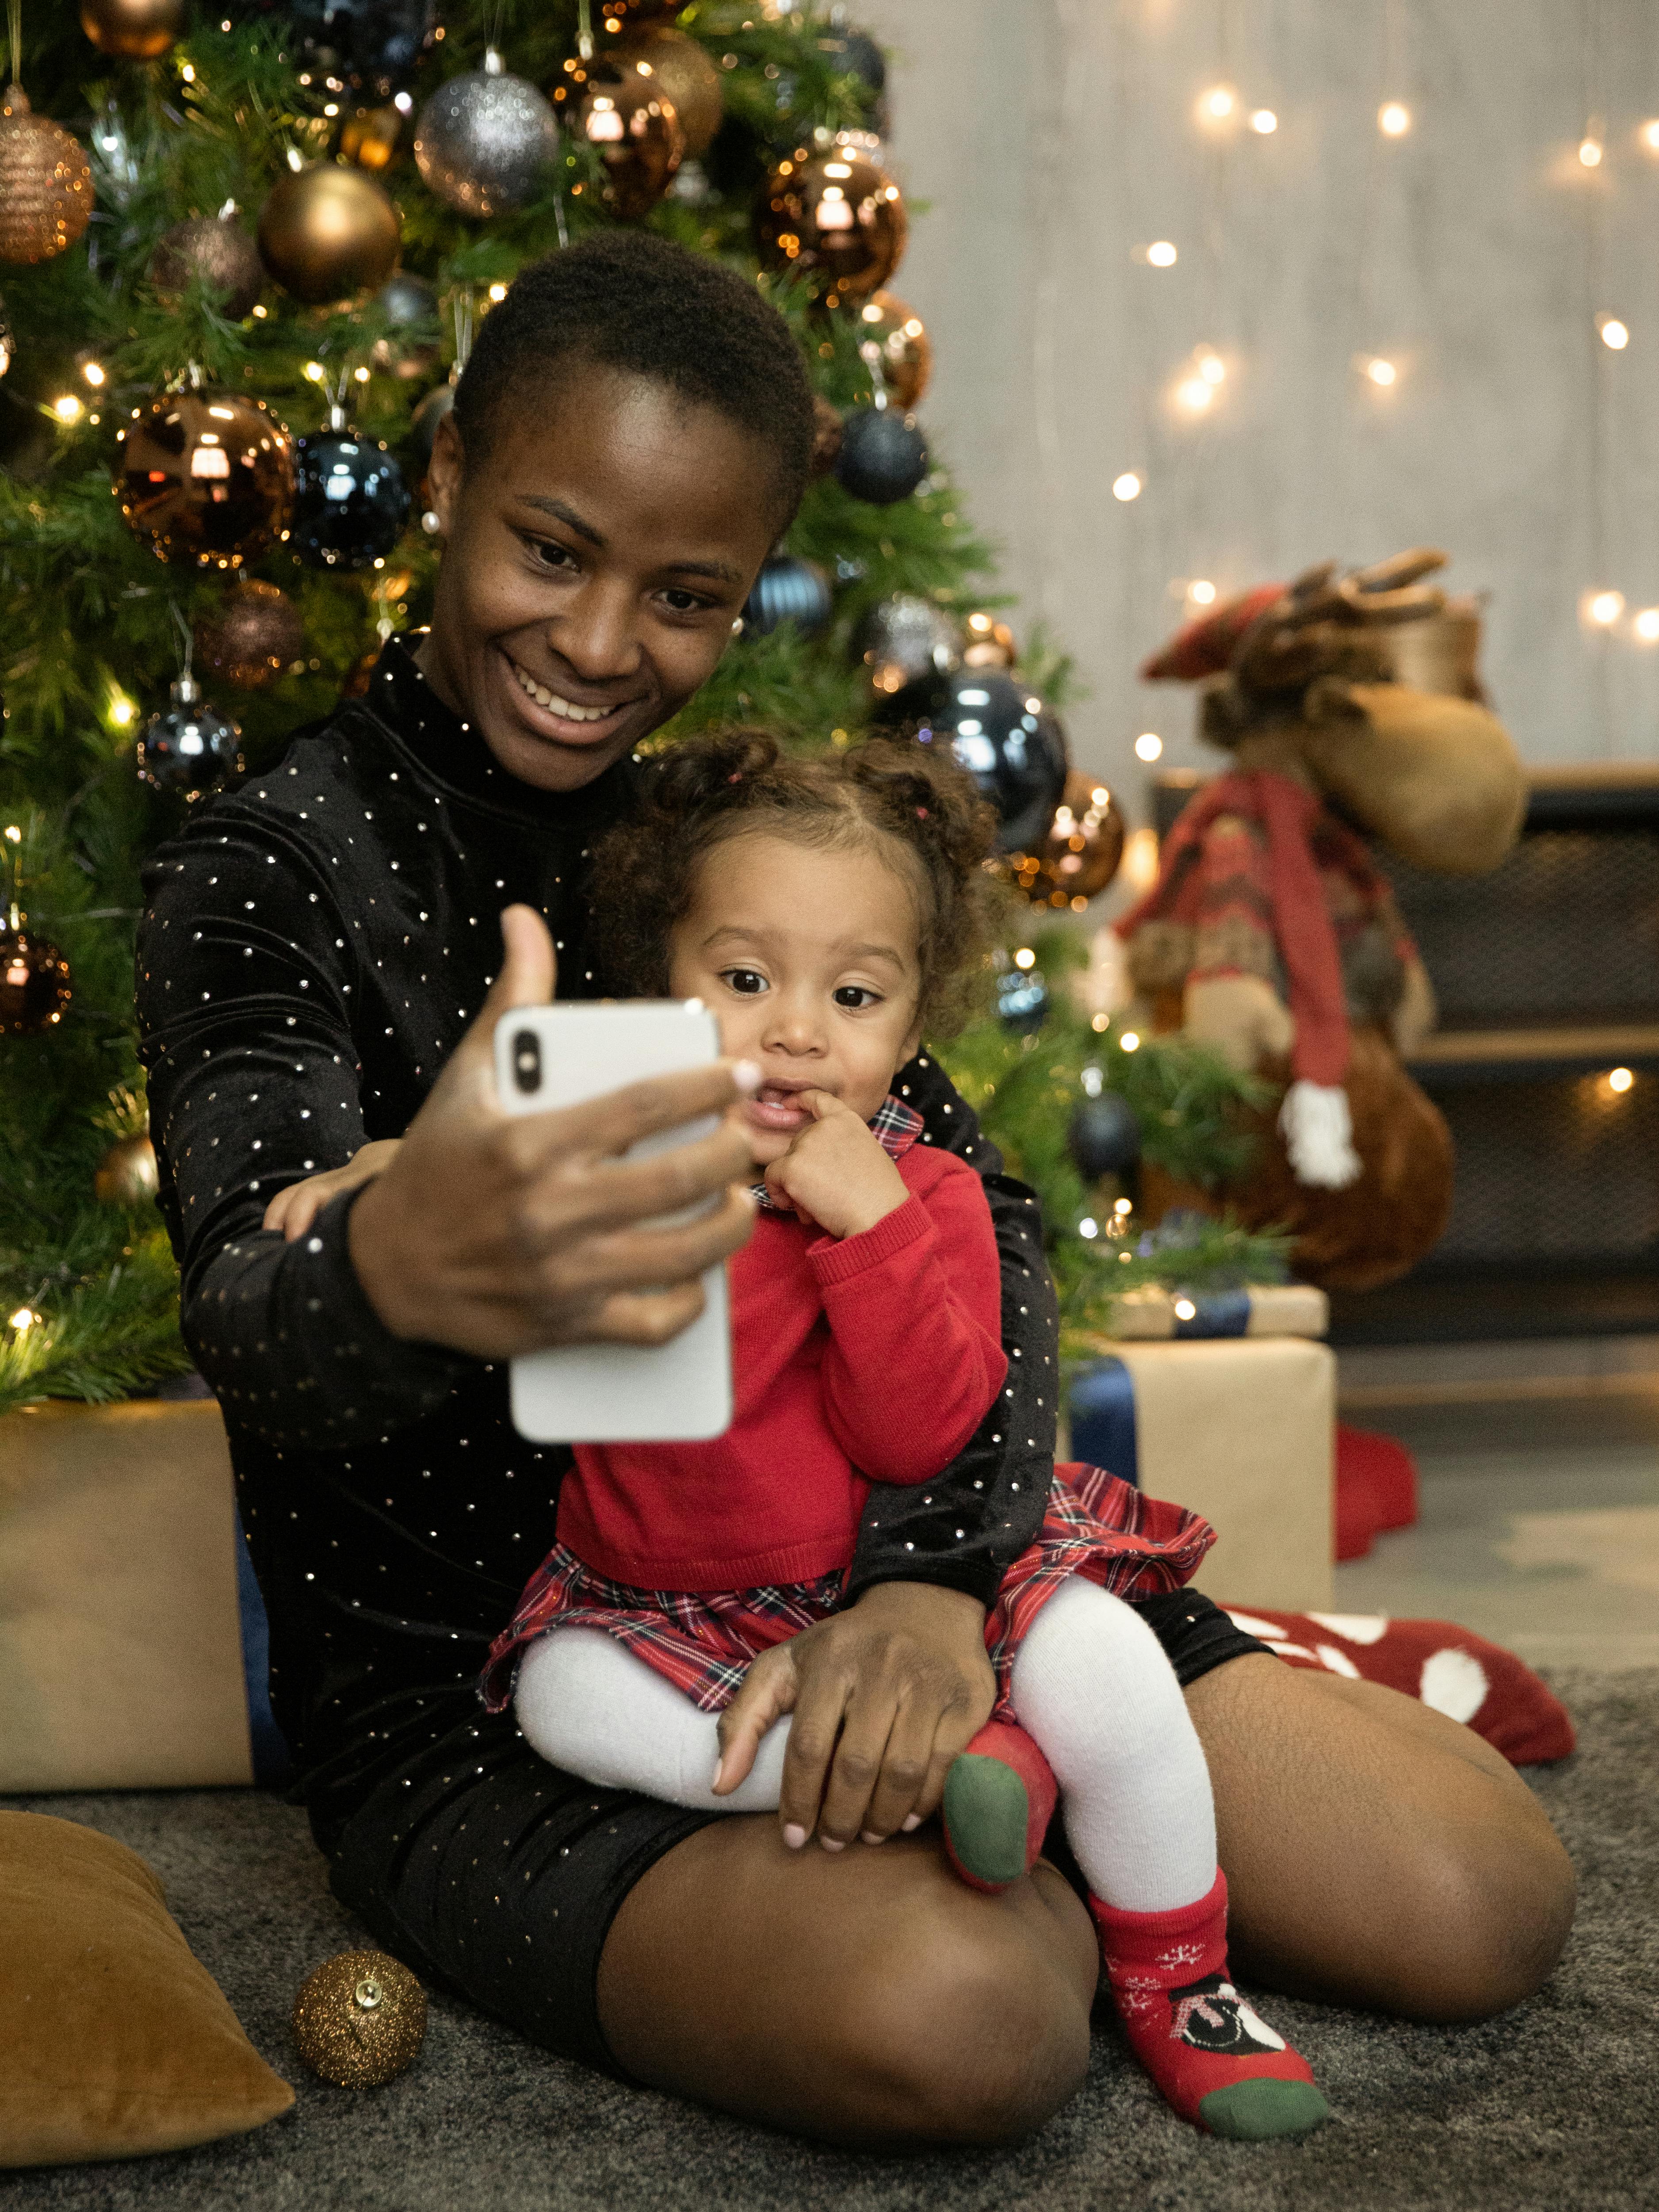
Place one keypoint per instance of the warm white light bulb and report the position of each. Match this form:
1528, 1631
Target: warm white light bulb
1589, 153
121, 710
498, 292
314, 371
1381, 373
22, 1321
1620, 1078
1212, 367
1604, 608
1393, 118
1128, 486
1149, 746
1162, 254
1087, 1227
1195, 394
1614, 334
1201, 593
1646, 625
1024, 958
94, 372
1129, 1042
1219, 102
68, 408
1264, 122
1184, 1309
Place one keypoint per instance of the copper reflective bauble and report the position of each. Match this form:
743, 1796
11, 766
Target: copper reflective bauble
834, 218
127, 1173
251, 637
216, 249
360, 2020
631, 125
990, 642
1079, 855
35, 979
135, 30
895, 347
689, 79
206, 477
327, 233
45, 184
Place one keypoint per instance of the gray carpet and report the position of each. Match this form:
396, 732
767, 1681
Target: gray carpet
1552, 2106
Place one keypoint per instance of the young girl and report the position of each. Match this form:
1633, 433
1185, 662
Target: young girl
829, 910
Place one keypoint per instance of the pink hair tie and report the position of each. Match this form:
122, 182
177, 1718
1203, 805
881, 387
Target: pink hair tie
921, 814
735, 776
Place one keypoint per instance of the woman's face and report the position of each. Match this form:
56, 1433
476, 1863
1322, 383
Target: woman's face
595, 561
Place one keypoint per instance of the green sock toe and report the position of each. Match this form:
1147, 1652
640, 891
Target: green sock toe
985, 1816
1255, 2111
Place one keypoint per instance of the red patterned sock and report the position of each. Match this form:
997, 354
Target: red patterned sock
1218, 2062
999, 1800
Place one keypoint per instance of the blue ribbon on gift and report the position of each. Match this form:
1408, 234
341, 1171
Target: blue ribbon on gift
1217, 1313
1103, 1411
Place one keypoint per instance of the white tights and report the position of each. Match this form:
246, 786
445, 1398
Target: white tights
1090, 1686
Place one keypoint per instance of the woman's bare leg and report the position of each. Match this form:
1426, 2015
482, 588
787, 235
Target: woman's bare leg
1376, 1854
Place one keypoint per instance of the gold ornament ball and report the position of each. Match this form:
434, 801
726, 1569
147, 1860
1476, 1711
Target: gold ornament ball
990, 642
45, 184
371, 137
135, 30
207, 477
689, 80
632, 125
328, 232
251, 637
360, 2020
895, 346
126, 1174
835, 218
1079, 856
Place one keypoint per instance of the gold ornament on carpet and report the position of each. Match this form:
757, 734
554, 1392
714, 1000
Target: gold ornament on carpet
45, 184
126, 1174
630, 123
360, 2020
206, 477
328, 232
689, 79
133, 30
251, 637
895, 347
835, 218
1078, 857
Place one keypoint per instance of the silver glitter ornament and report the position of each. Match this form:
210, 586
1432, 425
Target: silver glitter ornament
484, 141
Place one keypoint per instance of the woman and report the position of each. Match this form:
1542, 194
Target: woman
318, 967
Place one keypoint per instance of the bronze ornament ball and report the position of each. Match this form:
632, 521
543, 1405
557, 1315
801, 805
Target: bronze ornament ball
1079, 856
689, 80
328, 232
835, 218
990, 642
894, 345
631, 124
251, 637
34, 980
216, 249
360, 2020
133, 30
127, 1173
45, 184
206, 477
371, 137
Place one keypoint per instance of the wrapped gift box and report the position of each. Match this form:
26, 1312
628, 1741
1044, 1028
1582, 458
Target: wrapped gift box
1241, 1430
124, 1663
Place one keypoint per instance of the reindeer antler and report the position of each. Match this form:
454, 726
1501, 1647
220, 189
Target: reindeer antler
1309, 630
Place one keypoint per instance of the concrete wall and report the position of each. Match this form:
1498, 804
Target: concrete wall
1054, 136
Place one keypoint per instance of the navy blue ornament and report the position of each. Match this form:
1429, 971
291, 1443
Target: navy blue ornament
1022, 1000
1103, 1137
882, 456
787, 589
350, 501
1010, 743
188, 748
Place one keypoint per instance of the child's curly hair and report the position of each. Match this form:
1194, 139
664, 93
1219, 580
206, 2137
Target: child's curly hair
886, 793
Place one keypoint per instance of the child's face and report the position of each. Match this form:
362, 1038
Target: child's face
809, 959
596, 558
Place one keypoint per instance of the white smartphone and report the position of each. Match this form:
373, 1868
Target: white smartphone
553, 1056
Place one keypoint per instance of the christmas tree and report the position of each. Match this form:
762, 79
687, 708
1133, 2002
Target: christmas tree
242, 254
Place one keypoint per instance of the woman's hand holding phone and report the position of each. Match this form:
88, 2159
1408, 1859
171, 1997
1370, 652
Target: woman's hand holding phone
499, 1236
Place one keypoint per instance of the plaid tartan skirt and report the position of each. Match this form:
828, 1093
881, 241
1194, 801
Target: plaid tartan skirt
704, 1641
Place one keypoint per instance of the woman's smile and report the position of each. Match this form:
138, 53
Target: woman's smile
549, 712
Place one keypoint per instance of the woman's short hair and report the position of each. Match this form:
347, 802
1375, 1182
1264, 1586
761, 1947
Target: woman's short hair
625, 300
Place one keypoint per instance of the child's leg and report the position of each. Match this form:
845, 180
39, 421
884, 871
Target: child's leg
1092, 1687
587, 1705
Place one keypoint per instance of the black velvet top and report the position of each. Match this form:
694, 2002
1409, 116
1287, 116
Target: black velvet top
317, 943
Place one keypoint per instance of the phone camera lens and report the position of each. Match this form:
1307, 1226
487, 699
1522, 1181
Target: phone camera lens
528, 1061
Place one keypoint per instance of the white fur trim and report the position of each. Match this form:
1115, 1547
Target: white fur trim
1318, 1132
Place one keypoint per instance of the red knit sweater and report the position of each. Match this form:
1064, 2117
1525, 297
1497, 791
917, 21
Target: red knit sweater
871, 1358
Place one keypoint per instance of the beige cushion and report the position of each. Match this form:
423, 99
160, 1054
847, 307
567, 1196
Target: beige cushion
113, 2040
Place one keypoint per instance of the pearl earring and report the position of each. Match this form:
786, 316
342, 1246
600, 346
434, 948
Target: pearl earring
430, 522
737, 627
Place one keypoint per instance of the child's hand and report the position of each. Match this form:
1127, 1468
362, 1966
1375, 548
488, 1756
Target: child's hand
294, 1210
836, 1173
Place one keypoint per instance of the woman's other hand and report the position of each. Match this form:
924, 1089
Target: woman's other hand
498, 1235
294, 1210
883, 1696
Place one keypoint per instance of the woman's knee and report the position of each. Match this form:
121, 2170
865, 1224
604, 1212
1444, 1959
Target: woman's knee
1497, 1914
